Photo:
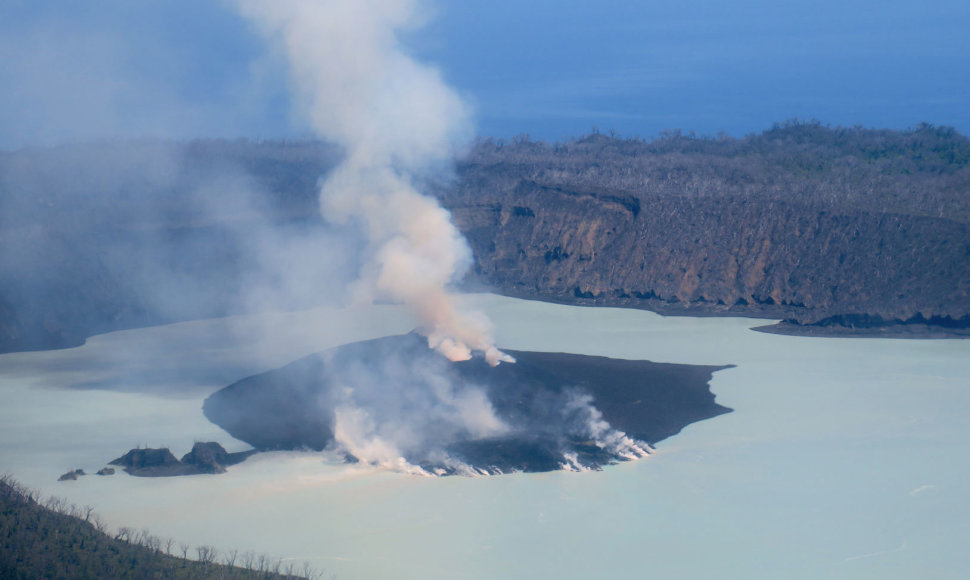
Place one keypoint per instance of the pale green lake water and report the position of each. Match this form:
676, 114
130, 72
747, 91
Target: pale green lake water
843, 458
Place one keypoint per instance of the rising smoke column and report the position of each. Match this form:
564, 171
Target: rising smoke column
396, 119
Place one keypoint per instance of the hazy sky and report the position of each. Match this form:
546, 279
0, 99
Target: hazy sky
73, 71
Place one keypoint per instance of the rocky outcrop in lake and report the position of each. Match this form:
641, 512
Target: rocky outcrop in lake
72, 475
207, 457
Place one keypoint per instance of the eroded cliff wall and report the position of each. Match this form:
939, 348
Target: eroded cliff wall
843, 227
836, 227
782, 259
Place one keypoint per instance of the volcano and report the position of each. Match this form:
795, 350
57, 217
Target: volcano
545, 412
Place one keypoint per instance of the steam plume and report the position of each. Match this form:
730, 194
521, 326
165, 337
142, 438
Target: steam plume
396, 119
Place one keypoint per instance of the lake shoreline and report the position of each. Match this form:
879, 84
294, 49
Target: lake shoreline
782, 316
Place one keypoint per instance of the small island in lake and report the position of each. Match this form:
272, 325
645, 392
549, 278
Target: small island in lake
206, 457
393, 399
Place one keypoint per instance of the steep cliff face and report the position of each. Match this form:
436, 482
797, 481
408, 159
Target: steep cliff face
795, 261
828, 227
837, 228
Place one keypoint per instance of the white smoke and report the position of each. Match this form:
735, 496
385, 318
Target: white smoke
397, 119
571, 462
579, 407
406, 428
398, 123
354, 432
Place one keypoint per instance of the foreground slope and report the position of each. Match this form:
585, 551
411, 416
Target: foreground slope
37, 541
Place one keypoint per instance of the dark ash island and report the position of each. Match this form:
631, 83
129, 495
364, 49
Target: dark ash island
559, 410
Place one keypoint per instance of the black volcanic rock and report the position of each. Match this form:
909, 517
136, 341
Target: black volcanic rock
149, 461
557, 410
71, 475
204, 458
207, 457
211, 457
275, 410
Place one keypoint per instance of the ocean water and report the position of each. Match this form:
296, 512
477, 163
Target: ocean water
843, 458
557, 69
